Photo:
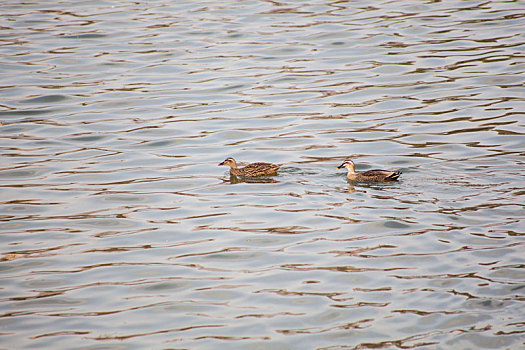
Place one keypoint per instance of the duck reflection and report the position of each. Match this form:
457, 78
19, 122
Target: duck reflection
241, 179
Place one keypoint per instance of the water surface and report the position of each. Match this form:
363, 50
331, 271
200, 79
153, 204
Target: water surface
119, 231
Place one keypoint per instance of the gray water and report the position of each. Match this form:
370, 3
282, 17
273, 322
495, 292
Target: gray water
119, 231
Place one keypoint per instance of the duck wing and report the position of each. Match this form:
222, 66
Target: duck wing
260, 169
381, 173
377, 172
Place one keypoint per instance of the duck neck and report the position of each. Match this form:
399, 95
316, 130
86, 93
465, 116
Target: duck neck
351, 168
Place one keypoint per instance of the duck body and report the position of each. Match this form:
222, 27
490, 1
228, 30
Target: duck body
251, 170
375, 175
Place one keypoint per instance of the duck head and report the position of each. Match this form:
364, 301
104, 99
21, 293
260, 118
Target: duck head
348, 164
230, 162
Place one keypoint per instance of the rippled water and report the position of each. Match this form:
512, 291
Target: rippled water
119, 230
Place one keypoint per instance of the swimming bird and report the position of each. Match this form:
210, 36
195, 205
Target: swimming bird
251, 170
375, 175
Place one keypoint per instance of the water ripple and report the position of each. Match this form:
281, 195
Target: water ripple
117, 224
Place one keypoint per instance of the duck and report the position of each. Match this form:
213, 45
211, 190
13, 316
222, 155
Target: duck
375, 175
251, 170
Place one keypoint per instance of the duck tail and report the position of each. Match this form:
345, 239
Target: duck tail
394, 176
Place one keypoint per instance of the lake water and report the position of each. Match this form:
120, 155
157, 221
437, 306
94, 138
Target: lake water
118, 229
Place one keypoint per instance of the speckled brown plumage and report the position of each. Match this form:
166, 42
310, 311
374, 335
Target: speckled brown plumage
251, 170
375, 175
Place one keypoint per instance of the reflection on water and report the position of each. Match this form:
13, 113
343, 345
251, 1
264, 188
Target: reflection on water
119, 230
260, 179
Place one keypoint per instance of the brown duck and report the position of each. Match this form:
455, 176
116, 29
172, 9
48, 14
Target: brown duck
251, 170
376, 175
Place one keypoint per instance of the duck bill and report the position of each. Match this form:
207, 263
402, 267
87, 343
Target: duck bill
340, 166
221, 163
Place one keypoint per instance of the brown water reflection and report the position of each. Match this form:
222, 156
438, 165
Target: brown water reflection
261, 179
118, 230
